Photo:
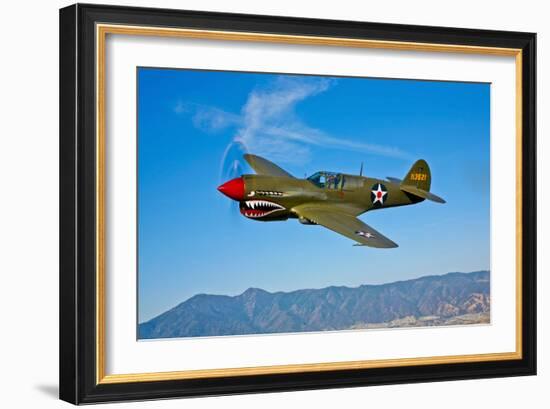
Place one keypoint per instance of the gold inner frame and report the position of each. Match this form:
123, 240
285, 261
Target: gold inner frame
101, 33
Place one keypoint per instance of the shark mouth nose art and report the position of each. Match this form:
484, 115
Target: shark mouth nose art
258, 208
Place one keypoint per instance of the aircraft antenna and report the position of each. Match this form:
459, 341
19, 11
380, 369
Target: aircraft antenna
361, 170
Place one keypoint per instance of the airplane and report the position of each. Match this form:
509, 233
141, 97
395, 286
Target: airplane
329, 199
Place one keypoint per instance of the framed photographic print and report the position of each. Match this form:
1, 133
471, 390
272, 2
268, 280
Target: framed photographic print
258, 203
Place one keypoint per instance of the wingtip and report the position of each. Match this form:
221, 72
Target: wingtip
249, 158
388, 244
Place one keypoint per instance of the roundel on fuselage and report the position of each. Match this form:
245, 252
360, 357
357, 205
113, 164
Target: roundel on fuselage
378, 194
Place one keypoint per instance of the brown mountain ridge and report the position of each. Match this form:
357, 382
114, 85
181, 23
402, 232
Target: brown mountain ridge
450, 299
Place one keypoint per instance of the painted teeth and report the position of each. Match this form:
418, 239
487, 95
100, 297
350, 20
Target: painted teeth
262, 203
261, 208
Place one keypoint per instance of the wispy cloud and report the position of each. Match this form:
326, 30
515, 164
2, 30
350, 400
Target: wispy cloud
214, 119
268, 124
207, 118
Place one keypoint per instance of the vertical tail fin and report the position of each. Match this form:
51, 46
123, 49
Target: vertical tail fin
419, 176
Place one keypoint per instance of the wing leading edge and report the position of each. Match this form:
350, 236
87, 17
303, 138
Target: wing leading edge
264, 167
339, 221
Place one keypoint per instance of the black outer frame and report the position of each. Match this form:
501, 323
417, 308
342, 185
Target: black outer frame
78, 197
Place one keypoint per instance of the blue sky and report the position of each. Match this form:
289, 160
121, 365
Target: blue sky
193, 127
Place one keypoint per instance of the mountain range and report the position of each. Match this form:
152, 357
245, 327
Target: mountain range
453, 298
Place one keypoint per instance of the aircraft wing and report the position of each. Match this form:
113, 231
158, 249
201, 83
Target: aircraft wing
339, 221
264, 167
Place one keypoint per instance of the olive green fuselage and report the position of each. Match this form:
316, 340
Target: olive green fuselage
276, 196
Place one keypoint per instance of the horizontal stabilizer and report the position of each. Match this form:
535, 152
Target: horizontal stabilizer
394, 180
421, 193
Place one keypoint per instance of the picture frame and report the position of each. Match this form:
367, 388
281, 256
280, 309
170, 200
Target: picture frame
83, 213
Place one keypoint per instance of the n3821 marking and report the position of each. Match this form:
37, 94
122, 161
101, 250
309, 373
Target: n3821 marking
419, 176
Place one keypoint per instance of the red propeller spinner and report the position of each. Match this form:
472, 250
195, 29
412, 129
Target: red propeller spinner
233, 189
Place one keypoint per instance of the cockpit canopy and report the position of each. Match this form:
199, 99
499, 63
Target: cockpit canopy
329, 180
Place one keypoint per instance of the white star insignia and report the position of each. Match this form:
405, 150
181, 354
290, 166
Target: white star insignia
379, 195
365, 234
